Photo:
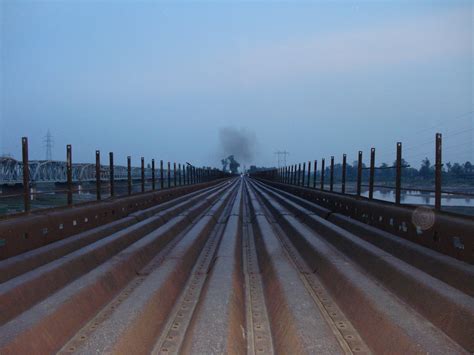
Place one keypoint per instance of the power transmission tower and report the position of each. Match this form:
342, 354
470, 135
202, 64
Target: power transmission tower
282, 157
48, 143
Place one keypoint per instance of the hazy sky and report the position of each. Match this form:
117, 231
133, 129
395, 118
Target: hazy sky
161, 79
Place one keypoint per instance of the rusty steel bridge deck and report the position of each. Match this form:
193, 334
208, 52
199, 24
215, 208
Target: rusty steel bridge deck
231, 266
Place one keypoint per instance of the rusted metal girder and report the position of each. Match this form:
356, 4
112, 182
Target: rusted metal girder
444, 232
284, 274
22, 233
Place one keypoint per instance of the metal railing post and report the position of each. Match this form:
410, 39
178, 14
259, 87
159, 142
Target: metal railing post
153, 178
161, 175
371, 173
298, 182
169, 175
143, 173
303, 174
174, 174
359, 173
111, 174
398, 177
438, 167
322, 174
26, 174
309, 173
315, 173
331, 175
69, 173
344, 167
97, 174
129, 174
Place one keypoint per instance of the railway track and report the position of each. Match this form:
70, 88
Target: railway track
239, 267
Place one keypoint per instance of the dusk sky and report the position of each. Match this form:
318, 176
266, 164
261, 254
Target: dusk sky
162, 79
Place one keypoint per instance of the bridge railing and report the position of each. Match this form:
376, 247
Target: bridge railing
360, 180
71, 183
433, 226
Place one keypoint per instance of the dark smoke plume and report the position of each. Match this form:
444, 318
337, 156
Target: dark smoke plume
241, 143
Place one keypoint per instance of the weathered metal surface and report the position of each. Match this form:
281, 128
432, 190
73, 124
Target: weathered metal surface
27, 232
233, 266
428, 296
449, 234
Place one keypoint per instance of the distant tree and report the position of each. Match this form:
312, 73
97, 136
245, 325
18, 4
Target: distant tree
468, 167
224, 163
425, 169
449, 166
385, 173
233, 164
457, 170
